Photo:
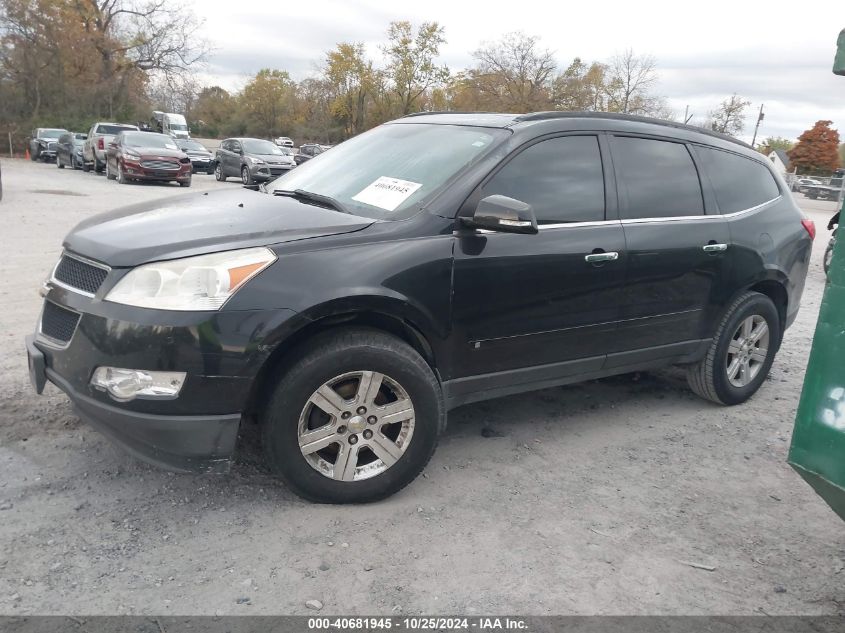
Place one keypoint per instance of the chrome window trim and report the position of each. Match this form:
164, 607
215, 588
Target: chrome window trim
78, 258
677, 218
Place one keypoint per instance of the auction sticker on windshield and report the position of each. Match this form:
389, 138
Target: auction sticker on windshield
387, 193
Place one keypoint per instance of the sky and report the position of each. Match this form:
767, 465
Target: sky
771, 53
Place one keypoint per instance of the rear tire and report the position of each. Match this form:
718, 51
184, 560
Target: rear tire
98, 166
737, 363
109, 174
341, 362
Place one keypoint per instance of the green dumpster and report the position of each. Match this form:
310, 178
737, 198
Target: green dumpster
818, 440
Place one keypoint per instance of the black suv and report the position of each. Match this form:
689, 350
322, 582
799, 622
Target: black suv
355, 300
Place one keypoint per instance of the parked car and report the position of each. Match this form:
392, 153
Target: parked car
201, 158
352, 302
307, 152
284, 141
801, 184
253, 159
830, 191
69, 150
147, 156
43, 141
99, 137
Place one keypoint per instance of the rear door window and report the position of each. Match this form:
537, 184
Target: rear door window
656, 179
739, 183
561, 178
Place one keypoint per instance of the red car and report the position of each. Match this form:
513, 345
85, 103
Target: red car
147, 156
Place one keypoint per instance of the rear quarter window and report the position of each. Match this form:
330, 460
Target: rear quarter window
739, 183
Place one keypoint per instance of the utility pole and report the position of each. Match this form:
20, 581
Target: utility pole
759, 118
687, 115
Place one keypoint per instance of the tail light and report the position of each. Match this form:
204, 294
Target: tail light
810, 227
101, 144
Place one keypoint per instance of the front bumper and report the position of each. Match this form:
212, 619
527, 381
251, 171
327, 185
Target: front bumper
139, 172
221, 353
197, 443
263, 173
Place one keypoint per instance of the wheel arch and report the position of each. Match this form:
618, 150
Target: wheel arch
774, 289
286, 350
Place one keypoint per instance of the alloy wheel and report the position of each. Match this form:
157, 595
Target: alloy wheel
245, 175
747, 351
356, 426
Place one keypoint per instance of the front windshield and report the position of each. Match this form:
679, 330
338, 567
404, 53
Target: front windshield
386, 172
192, 145
149, 139
178, 126
52, 133
256, 146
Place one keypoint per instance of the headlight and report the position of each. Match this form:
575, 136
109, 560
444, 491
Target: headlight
131, 155
193, 283
254, 161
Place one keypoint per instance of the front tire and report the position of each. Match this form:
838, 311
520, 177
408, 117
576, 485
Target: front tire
121, 175
742, 352
218, 173
184, 183
246, 177
354, 419
59, 162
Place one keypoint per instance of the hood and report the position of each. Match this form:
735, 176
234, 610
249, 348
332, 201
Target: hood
203, 223
157, 151
273, 159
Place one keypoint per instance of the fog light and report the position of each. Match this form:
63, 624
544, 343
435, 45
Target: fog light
127, 384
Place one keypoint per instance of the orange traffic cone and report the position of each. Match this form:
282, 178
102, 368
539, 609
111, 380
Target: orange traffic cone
27, 153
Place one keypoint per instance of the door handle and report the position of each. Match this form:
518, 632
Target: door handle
714, 248
601, 257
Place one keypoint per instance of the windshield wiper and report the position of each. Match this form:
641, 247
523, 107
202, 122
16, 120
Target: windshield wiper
309, 196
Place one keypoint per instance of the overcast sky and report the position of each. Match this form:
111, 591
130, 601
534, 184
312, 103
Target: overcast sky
771, 53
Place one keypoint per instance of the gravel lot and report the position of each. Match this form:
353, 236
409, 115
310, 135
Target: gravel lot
587, 499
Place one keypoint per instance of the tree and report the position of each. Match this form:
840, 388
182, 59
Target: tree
580, 87
350, 78
629, 82
411, 67
729, 117
513, 74
775, 142
817, 150
268, 102
212, 110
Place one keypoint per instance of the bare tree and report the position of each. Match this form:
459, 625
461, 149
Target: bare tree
729, 117
630, 80
516, 71
158, 36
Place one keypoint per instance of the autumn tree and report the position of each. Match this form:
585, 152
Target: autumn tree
580, 87
350, 79
817, 150
729, 117
268, 102
411, 66
512, 74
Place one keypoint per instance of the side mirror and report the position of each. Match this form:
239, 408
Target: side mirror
504, 215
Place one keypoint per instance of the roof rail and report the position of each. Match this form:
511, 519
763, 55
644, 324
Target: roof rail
560, 114
413, 114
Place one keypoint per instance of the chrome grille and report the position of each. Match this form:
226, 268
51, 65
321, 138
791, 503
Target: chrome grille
159, 164
51, 147
80, 274
58, 323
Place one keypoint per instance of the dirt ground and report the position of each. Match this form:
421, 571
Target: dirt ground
588, 499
